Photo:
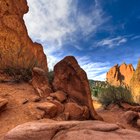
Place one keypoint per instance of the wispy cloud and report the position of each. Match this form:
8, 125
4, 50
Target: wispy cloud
94, 70
112, 42
135, 37
56, 22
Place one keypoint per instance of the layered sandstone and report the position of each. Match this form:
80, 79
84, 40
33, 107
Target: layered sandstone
120, 75
135, 84
16, 48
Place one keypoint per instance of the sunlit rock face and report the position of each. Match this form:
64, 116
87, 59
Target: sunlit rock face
16, 48
70, 78
120, 75
135, 84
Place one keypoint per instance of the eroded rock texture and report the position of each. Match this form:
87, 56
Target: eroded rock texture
70, 78
40, 82
16, 48
73, 130
120, 75
135, 84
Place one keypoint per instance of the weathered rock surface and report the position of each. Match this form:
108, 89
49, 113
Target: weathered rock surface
71, 79
49, 108
59, 95
130, 117
76, 112
120, 75
3, 103
40, 82
135, 84
16, 48
73, 130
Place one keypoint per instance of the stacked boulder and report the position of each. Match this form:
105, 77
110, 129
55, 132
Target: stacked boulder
68, 97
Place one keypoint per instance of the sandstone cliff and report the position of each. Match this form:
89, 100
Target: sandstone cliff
16, 48
135, 84
120, 75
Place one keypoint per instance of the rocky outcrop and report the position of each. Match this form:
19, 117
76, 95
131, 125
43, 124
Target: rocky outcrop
120, 75
3, 104
16, 48
70, 78
73, 130
40, 82
135, 84
68, 96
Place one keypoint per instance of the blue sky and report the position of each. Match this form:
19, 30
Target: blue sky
99, 33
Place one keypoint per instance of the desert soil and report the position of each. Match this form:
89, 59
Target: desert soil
18, 113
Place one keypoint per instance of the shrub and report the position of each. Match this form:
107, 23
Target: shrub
19, 75
116, 95
51, 76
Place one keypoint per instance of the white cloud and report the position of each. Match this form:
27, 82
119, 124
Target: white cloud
53, 23
94, 70
111, 42
135, 37
57, 21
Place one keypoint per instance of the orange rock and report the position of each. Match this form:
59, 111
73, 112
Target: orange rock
16, 48
3, 104
40, 82
71, 79
135, 84
76, 112
120, 75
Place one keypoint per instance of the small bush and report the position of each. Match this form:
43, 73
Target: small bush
19, 75
51, 76
116, 95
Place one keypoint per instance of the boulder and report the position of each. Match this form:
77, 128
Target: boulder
73, 130
17, 50
138, 123
135, 84
49, 108
120, 75
130, 117
70, 78
40, 82
76, 112
3, 104
59, 95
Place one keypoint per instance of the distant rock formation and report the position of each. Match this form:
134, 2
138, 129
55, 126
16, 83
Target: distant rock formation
120, 75
135, 84
16, 48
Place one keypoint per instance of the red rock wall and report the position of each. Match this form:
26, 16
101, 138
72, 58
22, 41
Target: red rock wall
16, 48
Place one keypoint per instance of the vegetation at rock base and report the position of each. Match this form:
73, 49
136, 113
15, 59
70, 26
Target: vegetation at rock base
96, 86
50, 76
19, 75
114, 95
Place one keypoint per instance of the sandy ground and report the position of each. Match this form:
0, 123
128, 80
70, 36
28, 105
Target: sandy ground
16, 112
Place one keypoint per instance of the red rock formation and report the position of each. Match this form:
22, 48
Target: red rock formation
120, 75
135, 84
40, 82
16, 48
71, 79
